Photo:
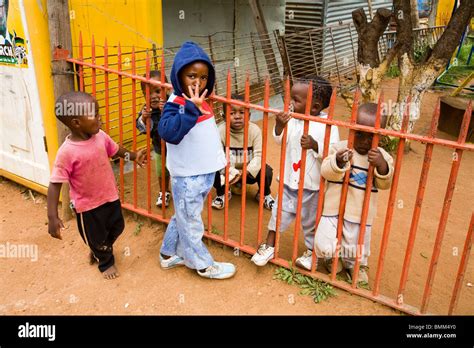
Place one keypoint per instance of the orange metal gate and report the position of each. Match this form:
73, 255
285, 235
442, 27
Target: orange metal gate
119, 75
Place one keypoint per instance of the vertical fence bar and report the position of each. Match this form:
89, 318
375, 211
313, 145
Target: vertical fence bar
81, 68
367, 196
322, 181
443, 220
148, 136
120, 116
93, 69
209, 196
282, 169
227, 155
344, 189
244, 166
418, 203
299, 200
462, 266
391, 200
106, 85
164, 187
266, 97
134, 128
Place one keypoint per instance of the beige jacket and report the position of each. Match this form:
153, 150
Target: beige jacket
355, 196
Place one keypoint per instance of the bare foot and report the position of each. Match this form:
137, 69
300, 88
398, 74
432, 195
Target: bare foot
110, 273
92, 258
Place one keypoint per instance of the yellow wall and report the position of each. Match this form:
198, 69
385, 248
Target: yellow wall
131, 23
37, 22
443, 14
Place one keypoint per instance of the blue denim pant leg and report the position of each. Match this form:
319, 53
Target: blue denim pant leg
184, 234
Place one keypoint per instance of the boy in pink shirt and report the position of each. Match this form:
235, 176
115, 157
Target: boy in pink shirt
83, 162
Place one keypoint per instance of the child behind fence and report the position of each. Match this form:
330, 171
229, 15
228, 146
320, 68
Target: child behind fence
295, 142
333, 169
254, 157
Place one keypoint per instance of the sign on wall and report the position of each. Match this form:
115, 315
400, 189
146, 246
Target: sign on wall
13, 45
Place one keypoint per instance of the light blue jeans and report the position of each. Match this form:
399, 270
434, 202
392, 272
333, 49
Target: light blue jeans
183, 236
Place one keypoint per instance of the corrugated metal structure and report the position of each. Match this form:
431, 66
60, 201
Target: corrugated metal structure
330, 51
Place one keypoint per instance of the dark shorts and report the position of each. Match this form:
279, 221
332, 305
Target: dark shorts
99, 228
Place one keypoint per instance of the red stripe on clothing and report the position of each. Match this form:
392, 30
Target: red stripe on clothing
206, 107
179, 100
204, 117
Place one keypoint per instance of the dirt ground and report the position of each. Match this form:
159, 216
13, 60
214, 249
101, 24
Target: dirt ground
62, 282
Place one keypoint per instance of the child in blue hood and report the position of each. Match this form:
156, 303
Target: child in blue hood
194, 154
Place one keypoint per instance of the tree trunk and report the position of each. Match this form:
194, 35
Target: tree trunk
370, 71
415, 78
415, 19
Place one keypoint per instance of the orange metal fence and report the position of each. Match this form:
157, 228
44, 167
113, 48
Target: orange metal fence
431, 140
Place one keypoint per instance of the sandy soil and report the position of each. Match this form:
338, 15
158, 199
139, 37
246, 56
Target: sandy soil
62, 282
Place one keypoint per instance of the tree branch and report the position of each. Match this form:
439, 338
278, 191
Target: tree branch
447, 43
404, 27
369, 34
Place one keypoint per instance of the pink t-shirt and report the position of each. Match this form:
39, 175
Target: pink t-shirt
86, 166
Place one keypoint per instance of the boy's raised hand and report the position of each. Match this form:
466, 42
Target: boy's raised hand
343, 156
377, 160
196, 99
55, 225
141, 157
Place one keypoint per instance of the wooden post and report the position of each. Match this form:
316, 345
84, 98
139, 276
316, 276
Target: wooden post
63, 77
266, 44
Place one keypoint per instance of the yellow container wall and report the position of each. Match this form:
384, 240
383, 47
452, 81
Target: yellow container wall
132, 24
443, 14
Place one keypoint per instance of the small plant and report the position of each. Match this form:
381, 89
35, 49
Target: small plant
138, 228
388, 144
315, 288
214, 230
393, 71
421, 53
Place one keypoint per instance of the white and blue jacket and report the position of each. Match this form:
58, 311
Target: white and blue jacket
192, 139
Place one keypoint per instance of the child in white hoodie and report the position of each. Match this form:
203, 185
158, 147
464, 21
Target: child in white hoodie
296, 141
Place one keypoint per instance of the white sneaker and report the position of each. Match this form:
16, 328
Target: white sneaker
305, 260
268, 201
264, 254
171, 262
159, 201
363, 275
219, 270
219, 201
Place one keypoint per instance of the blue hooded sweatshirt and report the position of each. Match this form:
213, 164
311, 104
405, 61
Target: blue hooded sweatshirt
192, 140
